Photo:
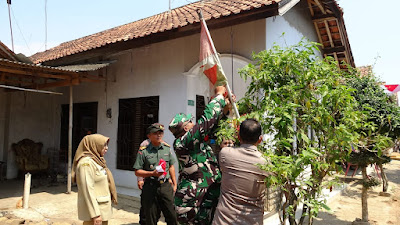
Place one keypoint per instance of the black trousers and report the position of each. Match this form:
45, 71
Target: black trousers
142, 216
155, 197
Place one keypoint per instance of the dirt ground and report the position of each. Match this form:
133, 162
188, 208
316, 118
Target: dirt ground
49, 204
346, 207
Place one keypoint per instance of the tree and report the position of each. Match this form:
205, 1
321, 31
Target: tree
380, 109
381, 128
302, 101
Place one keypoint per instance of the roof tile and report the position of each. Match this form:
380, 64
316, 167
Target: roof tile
178, 17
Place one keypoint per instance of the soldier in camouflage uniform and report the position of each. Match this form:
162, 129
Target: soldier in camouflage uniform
199, 175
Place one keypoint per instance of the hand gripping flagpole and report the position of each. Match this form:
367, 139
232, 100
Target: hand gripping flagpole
219, 62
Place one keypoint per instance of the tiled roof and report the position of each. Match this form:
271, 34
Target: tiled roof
177, 18
18, 72
85, 67
5, 63
365, 70
331, 30
27, 75
6, 53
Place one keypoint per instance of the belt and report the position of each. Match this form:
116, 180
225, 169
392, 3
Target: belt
156, 180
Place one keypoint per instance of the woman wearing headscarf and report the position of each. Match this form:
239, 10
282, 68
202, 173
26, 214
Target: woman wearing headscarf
96, 187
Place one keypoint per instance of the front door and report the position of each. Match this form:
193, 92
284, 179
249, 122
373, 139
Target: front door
84, 123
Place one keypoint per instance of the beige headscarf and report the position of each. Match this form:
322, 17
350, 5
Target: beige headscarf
91, 146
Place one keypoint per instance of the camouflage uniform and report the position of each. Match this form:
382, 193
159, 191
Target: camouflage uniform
199, 175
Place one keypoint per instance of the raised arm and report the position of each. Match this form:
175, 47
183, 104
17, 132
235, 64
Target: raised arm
212, 114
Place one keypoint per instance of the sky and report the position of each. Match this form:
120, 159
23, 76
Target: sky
371, 26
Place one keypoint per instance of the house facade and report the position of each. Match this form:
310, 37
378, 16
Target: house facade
144, 82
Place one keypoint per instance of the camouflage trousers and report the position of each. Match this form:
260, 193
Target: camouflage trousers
195, 205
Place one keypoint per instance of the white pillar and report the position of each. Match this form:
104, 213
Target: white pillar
27, 190
69, 182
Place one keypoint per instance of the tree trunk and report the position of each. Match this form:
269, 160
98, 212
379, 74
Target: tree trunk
310, 218
364, 196
283, 207
293, 203
384, 178
305, 208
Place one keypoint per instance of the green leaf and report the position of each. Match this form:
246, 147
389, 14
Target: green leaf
326, 207
276, 120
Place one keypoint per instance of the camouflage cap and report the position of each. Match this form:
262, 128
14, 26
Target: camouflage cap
175, 126
155, 127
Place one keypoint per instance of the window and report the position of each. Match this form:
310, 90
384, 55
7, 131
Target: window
135, 115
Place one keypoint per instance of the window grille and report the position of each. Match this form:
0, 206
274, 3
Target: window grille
135, 115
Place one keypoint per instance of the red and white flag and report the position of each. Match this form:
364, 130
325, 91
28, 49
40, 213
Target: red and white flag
393, 88
209, 58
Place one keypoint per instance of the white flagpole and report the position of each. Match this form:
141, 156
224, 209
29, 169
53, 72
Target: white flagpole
219, 62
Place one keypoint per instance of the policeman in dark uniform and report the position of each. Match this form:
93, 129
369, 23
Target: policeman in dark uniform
157, 191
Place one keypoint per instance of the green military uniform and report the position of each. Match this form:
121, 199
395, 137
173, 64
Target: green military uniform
156, 192
199, 175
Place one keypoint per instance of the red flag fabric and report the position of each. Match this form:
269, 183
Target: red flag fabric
209, 58
394, 88
162, 165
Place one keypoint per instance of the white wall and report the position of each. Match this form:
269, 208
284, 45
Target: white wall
199, 84
236, 43
2, 123
295, 24
32, 116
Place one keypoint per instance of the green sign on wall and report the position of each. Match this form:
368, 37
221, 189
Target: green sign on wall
191, 102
